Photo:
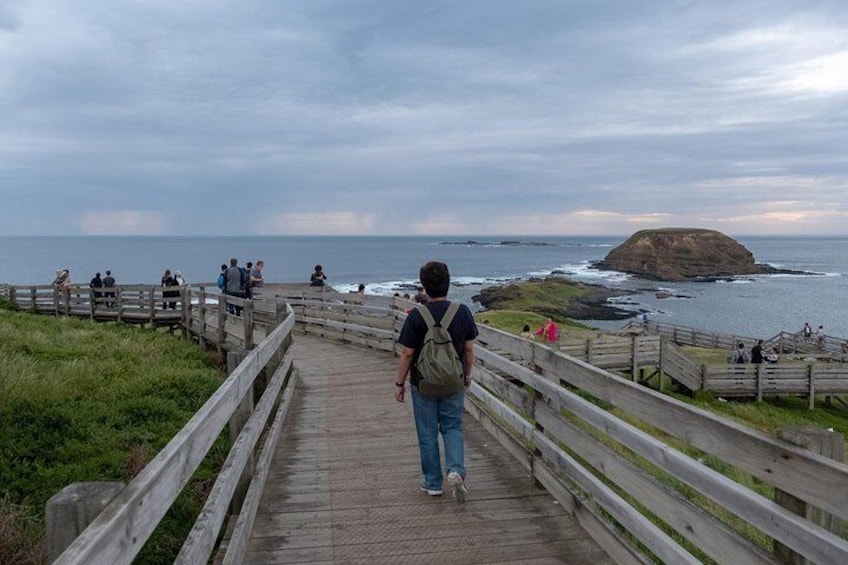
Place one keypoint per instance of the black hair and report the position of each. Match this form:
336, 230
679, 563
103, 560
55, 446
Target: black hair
435, 277
318, 267
526, 328
223, 267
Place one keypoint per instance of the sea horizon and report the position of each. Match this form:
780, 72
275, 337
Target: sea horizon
758, 305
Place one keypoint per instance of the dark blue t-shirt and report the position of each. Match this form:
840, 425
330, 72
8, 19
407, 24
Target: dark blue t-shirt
462, 329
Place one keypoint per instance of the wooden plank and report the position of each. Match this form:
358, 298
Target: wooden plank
244, 523
631, 519
760, 512
783, 466
201, 540
696, 525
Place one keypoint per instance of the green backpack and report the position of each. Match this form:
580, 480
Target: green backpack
438, 367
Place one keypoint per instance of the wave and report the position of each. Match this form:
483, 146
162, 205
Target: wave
584, 271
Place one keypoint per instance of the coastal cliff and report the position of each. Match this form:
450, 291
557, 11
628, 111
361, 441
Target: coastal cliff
680, 254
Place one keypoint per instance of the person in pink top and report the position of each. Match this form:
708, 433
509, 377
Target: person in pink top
548, 331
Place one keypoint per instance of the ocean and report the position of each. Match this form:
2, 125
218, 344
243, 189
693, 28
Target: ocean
756, 306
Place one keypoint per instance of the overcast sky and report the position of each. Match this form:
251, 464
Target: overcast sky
422, 117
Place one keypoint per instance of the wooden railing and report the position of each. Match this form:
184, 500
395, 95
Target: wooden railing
614, 476
783, 342
126, 303
228, 322
121, 529
620, 353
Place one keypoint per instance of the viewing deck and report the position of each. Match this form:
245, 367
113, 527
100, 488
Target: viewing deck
343, 485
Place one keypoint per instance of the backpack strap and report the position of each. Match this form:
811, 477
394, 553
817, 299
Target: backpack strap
446, 320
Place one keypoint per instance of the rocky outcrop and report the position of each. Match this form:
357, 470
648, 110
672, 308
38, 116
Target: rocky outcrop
557, 297
680, 254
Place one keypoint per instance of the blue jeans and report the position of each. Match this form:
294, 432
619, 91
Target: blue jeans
434, 415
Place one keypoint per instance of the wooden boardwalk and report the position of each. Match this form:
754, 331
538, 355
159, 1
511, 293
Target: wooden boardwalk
343, 487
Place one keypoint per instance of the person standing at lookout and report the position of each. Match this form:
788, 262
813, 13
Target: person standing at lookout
318, 277
757, 353
234, 284
437, 409
109, 282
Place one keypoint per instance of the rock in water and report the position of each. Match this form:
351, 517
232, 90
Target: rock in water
679, 254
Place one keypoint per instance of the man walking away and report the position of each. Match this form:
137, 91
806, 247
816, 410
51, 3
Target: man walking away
434, 412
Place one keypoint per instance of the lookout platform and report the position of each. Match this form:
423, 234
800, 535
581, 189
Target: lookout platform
343, 485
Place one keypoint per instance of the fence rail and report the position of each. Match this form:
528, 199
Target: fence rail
783, 342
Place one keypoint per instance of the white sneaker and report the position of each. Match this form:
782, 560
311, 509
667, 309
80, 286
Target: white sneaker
431, 491
460, 491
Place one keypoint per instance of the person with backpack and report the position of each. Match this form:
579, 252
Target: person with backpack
740, 355
438, 354
234, 285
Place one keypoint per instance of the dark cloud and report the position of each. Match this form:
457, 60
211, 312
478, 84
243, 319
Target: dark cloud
614, 113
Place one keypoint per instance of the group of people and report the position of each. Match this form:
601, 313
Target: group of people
168, 281
106, 282
820, 336
241, 282
757, 356
548, 331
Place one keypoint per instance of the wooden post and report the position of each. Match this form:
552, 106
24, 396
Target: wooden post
589, 351
120, 298
759, 382
201, 311
812, 369
185, 303
660, 363
152, 307
91, 301
237, 421
248, 324
72, 509
222, 320
55, 301
634, 366
823, 442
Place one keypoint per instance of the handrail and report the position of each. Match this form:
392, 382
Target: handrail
120, 531
783, 341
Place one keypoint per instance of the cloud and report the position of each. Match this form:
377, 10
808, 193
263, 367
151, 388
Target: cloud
319, 223
121, 222
548, 118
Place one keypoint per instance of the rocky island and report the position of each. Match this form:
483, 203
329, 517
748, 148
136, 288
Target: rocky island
684, 254
557, 297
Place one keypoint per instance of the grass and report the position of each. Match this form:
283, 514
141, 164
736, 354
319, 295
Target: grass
513, 321
91, 402
550, 295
